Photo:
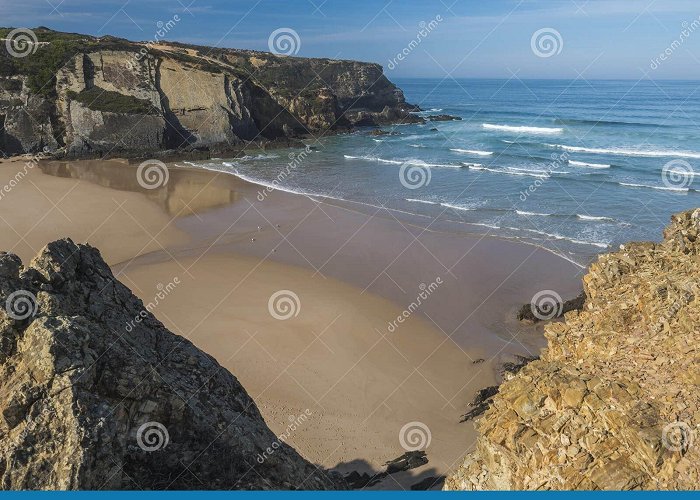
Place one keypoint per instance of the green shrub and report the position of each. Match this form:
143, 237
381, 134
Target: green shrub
99, 99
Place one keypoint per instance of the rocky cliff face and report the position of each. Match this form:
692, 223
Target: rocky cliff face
614, 401
95, 393
111, 96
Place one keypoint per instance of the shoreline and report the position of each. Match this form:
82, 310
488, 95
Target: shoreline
339, 262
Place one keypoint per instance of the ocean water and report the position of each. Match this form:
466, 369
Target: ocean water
577, 167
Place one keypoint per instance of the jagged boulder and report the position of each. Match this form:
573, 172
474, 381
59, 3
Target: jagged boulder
95, 393
614, 401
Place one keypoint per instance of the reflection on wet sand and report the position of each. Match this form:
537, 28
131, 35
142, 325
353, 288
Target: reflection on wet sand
187, 191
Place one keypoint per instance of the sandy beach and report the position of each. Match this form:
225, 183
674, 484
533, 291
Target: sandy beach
366, 320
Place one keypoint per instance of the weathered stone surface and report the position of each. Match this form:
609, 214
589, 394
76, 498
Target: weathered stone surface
88, 392
613, 402
200, 98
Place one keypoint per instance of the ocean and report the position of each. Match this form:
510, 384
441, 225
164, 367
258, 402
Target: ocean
578, 167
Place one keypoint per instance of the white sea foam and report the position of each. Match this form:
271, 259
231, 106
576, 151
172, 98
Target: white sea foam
523, 129
593, 217
472, 151
414, 200
661, 188
417, 146
258, 157
627, 152
464, 208
509, 172
523, 212
587, 165
566, 238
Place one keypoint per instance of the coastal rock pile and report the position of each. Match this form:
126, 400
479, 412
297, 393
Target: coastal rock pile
614, 401
95, 393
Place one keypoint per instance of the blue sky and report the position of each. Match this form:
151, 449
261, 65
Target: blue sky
594, 38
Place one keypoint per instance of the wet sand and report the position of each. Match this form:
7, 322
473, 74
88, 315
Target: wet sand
345, 358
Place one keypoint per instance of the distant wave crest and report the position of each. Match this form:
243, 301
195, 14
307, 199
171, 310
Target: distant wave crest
521, 129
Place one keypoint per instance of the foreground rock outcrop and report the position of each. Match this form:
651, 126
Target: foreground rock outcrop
614, 401
95, 393
88, 96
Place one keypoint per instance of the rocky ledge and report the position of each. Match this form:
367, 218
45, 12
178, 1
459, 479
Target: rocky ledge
95, 393
86, 96
614, 401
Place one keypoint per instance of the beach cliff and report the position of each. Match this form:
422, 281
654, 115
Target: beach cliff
614, 400
95, 393
85, 96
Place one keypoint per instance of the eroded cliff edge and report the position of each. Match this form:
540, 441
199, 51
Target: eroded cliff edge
614, 401
95, 393
88, 96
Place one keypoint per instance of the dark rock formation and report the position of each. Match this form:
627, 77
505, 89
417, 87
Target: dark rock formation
532, 313
88, 96
443, 118
95, 393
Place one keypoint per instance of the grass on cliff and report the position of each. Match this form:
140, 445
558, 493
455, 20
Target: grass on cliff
99, 99
41, 67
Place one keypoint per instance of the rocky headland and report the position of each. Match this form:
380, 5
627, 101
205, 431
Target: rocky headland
95, 393
83, 96
614, 400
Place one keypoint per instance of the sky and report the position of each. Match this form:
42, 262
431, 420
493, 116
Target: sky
589, 39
